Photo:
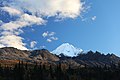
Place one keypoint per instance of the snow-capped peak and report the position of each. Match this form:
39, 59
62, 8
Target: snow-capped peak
67, 49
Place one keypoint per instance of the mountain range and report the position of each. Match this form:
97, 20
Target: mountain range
65, 54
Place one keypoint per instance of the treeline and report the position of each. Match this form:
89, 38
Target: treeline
23, 71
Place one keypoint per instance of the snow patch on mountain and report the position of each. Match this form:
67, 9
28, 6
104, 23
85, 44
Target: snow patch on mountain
67, 50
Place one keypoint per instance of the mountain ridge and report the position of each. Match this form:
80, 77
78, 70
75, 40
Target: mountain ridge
43, 56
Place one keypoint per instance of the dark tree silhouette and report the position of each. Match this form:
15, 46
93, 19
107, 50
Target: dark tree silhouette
24, 71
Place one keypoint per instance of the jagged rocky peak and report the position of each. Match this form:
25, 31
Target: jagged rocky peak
67, 50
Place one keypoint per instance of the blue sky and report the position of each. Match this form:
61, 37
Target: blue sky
101, 34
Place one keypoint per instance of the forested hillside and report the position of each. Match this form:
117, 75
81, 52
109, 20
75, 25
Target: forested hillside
26, 71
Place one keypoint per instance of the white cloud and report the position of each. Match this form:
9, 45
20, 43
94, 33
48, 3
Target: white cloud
12, 41
11, 11
23, 21
50, 36
33, 44
49, 40
45, 34
58, 8
51, 33
1, 22
94, 18
30, 19
54, 38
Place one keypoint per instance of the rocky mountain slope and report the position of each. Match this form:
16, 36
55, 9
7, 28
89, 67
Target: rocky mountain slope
12, 55
97, 59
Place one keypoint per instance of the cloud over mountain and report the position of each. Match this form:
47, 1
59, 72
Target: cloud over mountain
30, 12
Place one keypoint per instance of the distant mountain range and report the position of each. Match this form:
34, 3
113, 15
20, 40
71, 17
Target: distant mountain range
65, 54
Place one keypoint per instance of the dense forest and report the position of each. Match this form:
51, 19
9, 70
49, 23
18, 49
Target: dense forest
23, 71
